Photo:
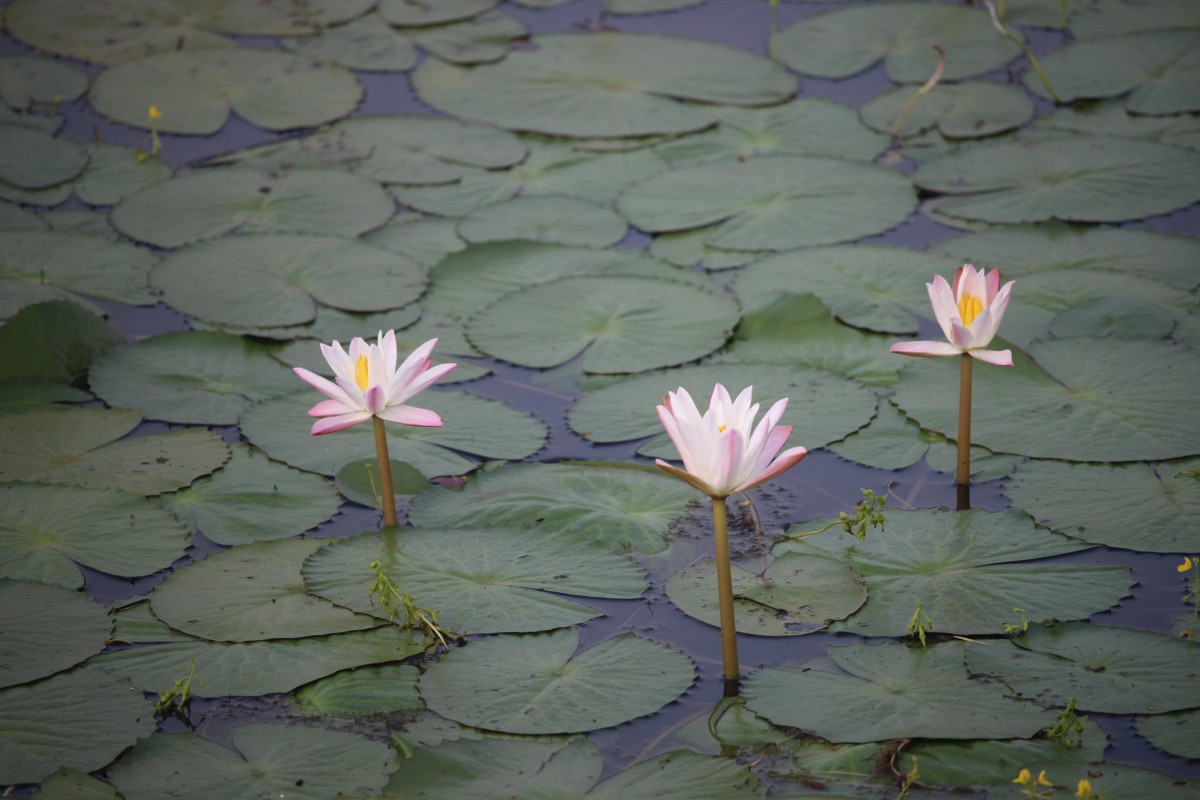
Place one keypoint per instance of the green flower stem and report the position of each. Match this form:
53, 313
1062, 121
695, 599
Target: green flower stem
729, 655
924, 89
387, 494
963, 474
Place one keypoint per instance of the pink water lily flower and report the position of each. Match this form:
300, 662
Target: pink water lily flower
722, 451
368, 384
969, 312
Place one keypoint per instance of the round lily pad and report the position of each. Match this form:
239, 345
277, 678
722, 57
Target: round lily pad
617, 324
809, 126
368, 44
1115, 18
77, 446
426, 240
1145, 507
31, 159
887, 691
687, 249
960, 111
377, 689
264, 760
250, 593
67, 782
359, 481
207, 204
417, 13
1070, 399
823, 407
537, 683
189, 376
965, 570
250, 669
604, 84
80, 719
772, 202
1158, 70
484, 581
1177, 733
282, 279
114, 172
795, 594
45, 530
847, 41
1109, 118
470, 424
1100, 179
1106, 669
487, 37
26, 80
565, 220
196, 91
47, 629
1114, 317
616, 507
54, 341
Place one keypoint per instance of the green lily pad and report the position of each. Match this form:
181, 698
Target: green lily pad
1028, 249
611, 506
49, 265
1178, 733
1145, 507
873, 287
1114, 317
426, 240
1080, 180
567, 768
1071, 399
282, 280
552, 168
604, 84
299, 345
264, 760
28, 80
275, 17
207, 204
54, 341
31, 159
47, 629
872, 693
848, 41
15, 218
1106, 669
189, 376
136, 624
687, 249
646, 6
823, 407
795, 594
1109, 118
960, 111
250, 669
471, 424
45, 530
485, 581
78, 446
368, 44
417, 13
80, 719
809, 126
29, 394
563, 220
358, 481
75, 785
799, 329
196, 91
251, 593
617, 324
892, 441
772, 202
1115, 18
487, 37
1158, 70
965, 570
252, 499
114, 172
378, 689
537, 683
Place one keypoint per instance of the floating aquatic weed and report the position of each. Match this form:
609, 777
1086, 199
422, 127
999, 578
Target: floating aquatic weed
920, 624
724, 452
178, 697
1019, 627
1068, 723
969, 312
868, 513
370, 386
153, 115
909, 778
398, 603
1192, 596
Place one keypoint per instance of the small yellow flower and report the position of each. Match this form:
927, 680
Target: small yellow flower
153, 112
1084, 790
1023, 777
1041, 781
1186, 565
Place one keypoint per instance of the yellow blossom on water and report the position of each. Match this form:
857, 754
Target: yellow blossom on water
153, 112
1186, 565
1084, 790
1041, 781
1023, 777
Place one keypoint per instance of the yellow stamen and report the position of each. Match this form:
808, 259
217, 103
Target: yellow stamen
360, 373
720, 429
970, 306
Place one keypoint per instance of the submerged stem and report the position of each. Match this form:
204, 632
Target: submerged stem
729, 655
963, 474
387, 492
1033, 62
